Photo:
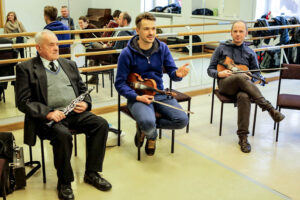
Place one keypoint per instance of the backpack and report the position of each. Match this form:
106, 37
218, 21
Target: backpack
7, 183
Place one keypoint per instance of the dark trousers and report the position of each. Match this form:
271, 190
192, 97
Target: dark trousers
21, 50
243, 89
96, 130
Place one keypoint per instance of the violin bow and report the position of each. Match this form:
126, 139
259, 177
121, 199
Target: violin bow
172, 106
259, 70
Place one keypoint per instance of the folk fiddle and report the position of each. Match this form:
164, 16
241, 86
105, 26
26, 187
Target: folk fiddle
149, 87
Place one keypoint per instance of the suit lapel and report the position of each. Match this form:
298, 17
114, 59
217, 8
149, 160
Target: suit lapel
40, 73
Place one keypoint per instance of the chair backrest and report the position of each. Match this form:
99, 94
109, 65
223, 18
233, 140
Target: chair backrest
293, 71
64, 50
7, 69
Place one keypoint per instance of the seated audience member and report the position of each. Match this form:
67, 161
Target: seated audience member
124, 22
50, 15
84, 24
66, 19
114, 23
45, 85
13, 25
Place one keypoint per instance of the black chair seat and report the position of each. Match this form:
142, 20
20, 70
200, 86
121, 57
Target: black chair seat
126, 111
289, 101
223, 98
180, 97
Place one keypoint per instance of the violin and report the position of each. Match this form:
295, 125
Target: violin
228, 64
145, 86
149, 87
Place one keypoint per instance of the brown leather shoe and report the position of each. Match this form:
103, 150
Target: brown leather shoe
276, 115
150, 147
245, 145
139, 137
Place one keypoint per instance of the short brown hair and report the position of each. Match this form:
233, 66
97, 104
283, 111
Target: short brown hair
116, 13
84, 18
51, 12
145, 15
127, 17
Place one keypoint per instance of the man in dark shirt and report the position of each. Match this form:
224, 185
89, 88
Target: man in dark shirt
66, 19
240, 85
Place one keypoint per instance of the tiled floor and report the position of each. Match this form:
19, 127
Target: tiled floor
204, 165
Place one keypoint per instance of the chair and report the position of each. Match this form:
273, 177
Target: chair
103, 60
7, 69
64, 50
181, 97
125, 110
74, 133
288, 101
226, 99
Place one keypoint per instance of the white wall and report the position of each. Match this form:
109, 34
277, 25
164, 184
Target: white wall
31, 12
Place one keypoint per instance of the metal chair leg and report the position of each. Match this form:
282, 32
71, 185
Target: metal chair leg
75, 144
189, 109
159, 135
43, 161
254, 120
173, 140
277, 131
221, 120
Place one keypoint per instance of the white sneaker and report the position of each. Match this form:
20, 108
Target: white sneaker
112, 139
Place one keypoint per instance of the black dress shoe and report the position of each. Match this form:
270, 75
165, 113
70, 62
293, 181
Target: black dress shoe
65, 192
97, 181
139, 137
150, 147
245, 146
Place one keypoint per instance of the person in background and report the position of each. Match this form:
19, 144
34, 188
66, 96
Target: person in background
66, 19
124, 22
114, 23
50, 15
13, 25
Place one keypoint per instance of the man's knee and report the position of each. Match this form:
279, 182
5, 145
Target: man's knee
242, 96
63, 137
147, 125
181, 121
101, 122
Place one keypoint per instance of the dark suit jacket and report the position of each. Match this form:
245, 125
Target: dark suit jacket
31, 93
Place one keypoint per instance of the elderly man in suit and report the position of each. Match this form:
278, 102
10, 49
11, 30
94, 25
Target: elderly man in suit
44, 86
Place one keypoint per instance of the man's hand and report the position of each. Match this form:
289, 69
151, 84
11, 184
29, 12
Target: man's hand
80, 107
56, 116
182, 71
147, 99
225, 73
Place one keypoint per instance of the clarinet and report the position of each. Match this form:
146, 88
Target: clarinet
72, 105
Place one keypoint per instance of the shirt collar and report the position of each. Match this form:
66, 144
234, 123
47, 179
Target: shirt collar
46, 62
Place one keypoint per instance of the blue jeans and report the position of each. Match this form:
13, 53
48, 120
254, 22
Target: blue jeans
144, 114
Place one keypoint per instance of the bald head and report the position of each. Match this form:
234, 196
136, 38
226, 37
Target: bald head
239, 31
